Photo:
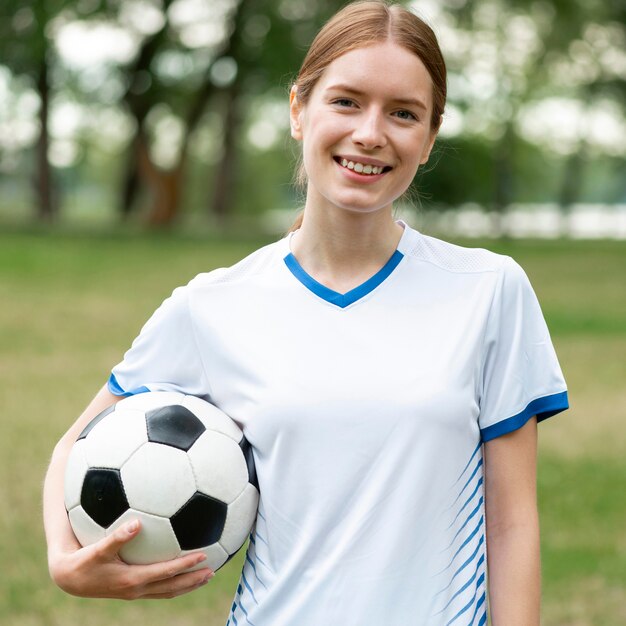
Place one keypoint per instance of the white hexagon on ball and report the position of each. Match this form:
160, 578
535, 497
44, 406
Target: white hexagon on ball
75, 471
85, 529
239, 519
219, 466
216, 556
154, 542
158, 479
103, 445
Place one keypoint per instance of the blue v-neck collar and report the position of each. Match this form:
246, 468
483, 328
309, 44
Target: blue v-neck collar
343, 300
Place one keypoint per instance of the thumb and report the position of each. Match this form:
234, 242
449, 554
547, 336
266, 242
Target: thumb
110, 545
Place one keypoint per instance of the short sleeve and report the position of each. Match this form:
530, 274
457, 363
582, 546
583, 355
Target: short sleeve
520, 375
164, 356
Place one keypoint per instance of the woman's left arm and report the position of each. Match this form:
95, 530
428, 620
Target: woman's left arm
512, 520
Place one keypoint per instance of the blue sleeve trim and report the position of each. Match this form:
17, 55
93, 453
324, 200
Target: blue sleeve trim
541, 407
116, 389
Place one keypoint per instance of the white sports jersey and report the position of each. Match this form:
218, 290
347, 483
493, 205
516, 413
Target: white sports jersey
366, 412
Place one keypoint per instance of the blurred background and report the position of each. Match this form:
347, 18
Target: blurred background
144, 141
174, 112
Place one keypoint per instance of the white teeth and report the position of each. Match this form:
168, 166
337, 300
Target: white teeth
361, 168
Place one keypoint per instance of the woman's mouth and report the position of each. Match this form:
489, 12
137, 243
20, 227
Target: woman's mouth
363, 169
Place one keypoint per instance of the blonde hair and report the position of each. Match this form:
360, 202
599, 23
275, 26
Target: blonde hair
364, 23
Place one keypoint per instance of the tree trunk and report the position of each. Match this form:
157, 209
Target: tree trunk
139, 104
46, 205
572, 182
503, 170
222, 200
573, 174
130, 184
503, 177
165, 186
224, 187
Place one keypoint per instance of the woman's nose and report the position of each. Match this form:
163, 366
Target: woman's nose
369, 130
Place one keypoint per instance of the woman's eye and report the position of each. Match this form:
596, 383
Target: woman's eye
343, 102
406, 115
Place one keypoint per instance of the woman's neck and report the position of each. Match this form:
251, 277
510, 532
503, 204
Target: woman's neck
340, 248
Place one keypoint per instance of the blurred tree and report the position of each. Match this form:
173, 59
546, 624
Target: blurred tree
501, 49
260, 40
203, 84
221, 74
268, 42
147, 91
268, 50
586, 65
25, 48
521, 52
140, 96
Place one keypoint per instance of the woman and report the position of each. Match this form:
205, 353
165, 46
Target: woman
390, 383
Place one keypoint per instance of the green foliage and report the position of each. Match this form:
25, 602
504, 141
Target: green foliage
533, 50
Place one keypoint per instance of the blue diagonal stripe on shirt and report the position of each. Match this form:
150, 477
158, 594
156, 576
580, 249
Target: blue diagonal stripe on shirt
476, 449
480, 602
247, 585
469, 480
469, 517
243, 609
238, 603
258, 559
248, 560
478, 484
464, 565
467, 540
261, 538
479, 582
463, 588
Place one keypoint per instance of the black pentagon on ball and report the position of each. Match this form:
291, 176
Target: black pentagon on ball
246, 448
103, 496
98, 418
173, 425
199, 522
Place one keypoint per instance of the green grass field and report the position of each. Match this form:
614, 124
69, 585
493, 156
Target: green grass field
71, 305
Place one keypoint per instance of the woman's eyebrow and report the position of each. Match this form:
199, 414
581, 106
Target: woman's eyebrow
405, 101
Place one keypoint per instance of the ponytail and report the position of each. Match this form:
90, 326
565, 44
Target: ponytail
297, 222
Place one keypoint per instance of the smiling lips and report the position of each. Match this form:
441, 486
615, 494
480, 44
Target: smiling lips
364, 169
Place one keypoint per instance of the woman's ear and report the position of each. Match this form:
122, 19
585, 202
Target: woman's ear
295, 110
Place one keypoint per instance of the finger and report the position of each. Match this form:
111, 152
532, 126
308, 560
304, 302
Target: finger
168, 569
183, 583
111, 545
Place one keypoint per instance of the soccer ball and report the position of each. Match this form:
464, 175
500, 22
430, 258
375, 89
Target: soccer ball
175, 462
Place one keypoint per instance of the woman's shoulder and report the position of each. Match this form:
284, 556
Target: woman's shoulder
457, 258
256, 263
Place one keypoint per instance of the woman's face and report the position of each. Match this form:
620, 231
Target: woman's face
370, 108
